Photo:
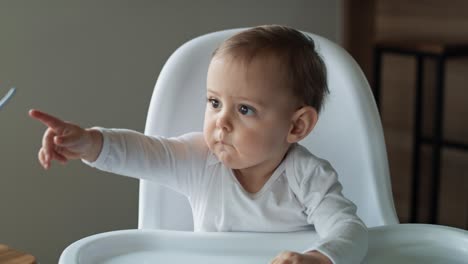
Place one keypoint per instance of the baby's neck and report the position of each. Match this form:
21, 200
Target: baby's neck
251, 181
254, 178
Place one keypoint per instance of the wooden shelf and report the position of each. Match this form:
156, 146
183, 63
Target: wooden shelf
12, 256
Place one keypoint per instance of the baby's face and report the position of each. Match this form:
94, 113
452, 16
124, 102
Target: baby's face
248, 112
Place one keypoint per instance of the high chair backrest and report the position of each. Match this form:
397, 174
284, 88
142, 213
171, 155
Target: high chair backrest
348, 133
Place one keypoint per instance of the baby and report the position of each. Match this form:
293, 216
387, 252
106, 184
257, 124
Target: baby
246, 171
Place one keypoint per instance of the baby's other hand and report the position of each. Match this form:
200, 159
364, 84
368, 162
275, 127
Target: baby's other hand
312, 257
63, 141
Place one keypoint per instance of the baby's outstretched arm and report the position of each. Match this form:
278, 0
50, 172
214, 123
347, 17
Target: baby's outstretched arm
63, 141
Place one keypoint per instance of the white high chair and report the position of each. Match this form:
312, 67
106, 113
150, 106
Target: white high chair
348, 134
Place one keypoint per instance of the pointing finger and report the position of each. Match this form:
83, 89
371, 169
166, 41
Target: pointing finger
48, 141
48, 120
42, 159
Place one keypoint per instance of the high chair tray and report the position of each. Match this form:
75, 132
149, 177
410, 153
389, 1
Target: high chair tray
417, 243
404, 243
173, 247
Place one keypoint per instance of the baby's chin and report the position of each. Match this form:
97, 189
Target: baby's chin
228, 161
227, 155
225, 158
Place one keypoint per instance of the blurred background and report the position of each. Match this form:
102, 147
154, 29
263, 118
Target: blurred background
429, 25
96, 63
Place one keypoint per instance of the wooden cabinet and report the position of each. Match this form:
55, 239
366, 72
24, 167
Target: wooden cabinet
375, 21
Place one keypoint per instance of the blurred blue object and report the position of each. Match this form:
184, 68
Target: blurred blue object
7, 97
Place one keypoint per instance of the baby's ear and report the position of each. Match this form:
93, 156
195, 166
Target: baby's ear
302, 123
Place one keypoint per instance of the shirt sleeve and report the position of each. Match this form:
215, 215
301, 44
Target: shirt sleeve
343, 236
173, 162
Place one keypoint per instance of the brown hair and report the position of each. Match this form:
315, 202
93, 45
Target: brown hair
295, 51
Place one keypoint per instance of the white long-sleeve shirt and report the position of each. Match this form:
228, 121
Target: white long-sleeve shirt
302, 193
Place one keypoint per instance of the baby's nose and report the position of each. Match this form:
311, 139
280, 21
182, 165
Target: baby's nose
224, 121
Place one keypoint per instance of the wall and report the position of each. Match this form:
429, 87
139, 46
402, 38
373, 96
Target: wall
95, 63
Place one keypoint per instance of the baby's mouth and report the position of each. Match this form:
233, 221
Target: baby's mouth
223, 143
221, 139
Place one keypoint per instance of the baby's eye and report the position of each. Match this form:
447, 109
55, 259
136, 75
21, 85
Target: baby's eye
214, 103
246, 110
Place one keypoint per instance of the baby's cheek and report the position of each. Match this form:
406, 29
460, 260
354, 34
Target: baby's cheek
255, 144
271, 143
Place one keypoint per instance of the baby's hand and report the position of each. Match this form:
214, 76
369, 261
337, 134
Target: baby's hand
312, 257
65, 141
